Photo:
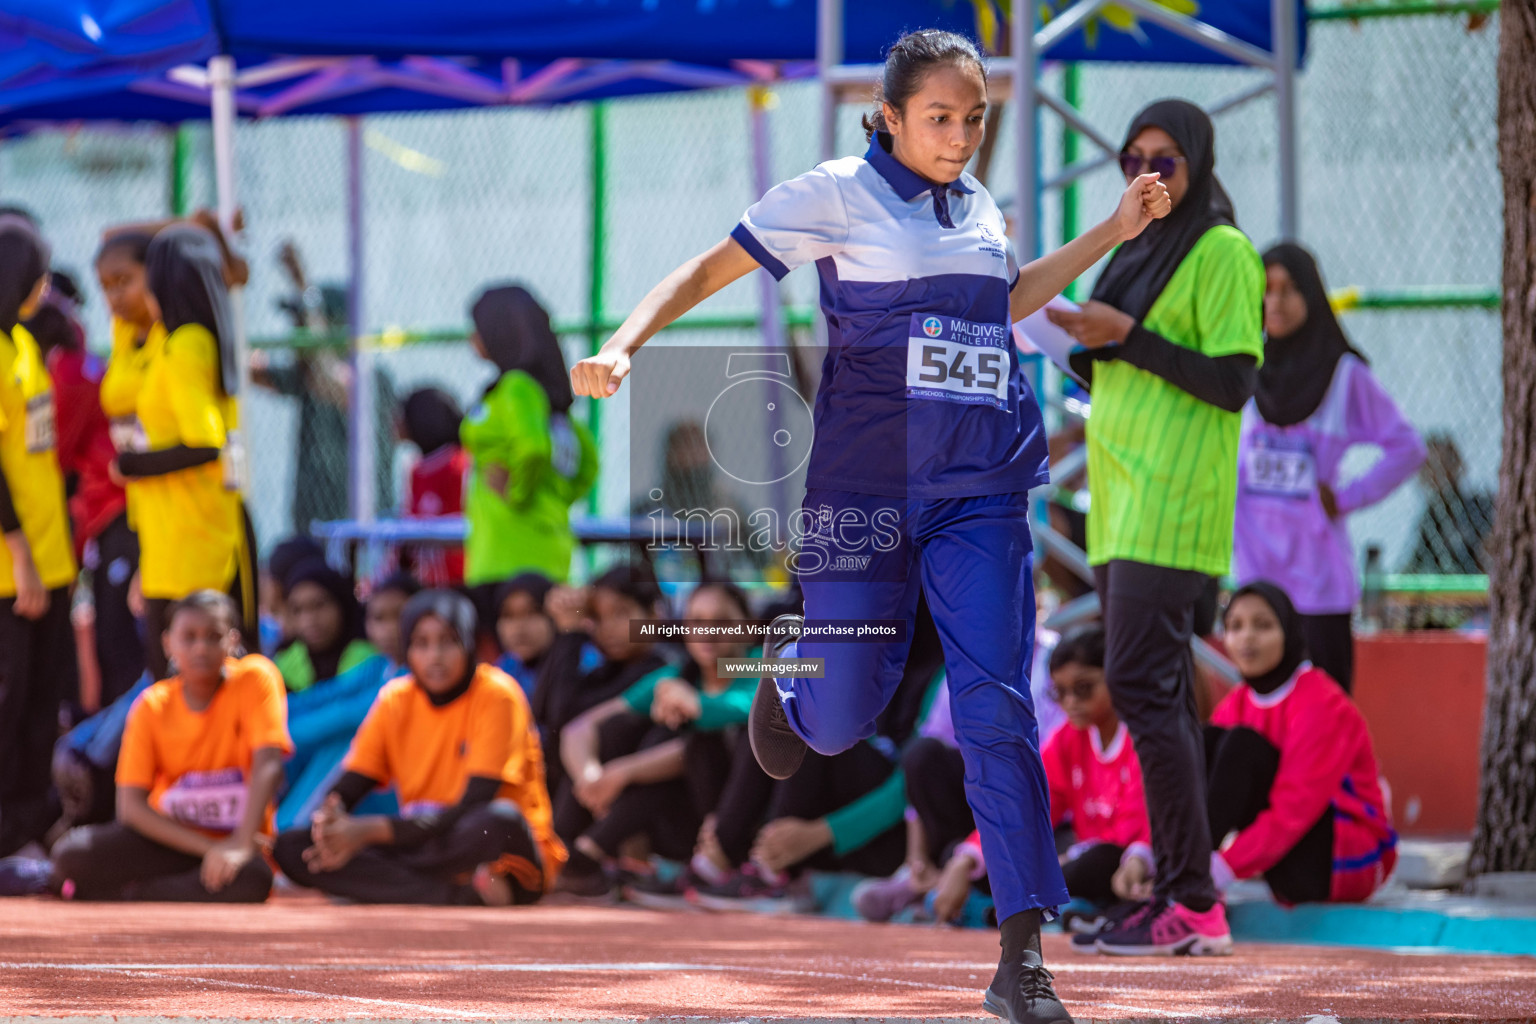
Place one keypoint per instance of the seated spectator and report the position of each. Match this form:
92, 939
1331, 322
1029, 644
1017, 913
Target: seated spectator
286, 556
594, 623
525, 631
457, 743
85, 763
327, 627
839, 813
202, 757
938, 816
1294, 795
430, 419
1095, 785
324, 718
1092, 771
657, 759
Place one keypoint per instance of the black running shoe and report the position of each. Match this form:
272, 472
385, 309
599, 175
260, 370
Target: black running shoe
1085, 928
1022, 993
777, 747
657, 894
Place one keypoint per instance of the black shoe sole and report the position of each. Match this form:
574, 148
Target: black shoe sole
778, 749
995, 1005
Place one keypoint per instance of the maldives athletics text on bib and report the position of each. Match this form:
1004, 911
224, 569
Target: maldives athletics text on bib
955, 360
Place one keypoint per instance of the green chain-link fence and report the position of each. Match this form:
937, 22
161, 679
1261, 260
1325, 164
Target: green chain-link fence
1400, 199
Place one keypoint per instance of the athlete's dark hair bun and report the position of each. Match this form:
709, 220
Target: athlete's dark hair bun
909, 60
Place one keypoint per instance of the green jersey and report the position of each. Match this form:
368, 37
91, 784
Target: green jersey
551, 463
1162, 464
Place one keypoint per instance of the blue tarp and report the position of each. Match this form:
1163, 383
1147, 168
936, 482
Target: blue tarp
108, 59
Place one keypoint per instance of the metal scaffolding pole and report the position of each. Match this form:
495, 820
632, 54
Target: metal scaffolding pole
1026, 202
1283, 27
829, 54
361, 443
221, 86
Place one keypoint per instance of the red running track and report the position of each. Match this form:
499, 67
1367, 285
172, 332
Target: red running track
302, 957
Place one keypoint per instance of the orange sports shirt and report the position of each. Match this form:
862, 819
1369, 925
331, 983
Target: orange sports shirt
430, 753
197, 764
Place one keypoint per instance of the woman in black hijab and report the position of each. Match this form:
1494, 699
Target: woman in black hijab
193, 530
531, 460
1173, 339
1293, 778
515, 334
327, 624
1316, 400
525, 631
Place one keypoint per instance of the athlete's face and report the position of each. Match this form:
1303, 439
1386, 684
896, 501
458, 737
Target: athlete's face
1151, 143
712, 603
1083, 695
942, 124
198, 643
1254, 637
1285, 310
123, 283
611, 615
315, 616
382, 623
436, 656
523, 628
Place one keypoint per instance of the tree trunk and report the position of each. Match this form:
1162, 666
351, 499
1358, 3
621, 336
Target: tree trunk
1506, 820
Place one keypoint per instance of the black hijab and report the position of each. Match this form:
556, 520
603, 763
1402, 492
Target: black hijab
1299, 367
432, 419
23, 262
516, 333
184, 269
398, 583
537, 586
289, 555
1142, 267
1295, 651
327, 661
457, 612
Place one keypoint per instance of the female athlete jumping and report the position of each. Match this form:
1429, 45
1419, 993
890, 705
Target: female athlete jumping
923, 423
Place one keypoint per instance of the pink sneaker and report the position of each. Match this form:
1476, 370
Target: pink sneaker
1170, 929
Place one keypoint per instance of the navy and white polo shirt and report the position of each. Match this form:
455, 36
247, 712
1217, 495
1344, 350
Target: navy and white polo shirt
921, 394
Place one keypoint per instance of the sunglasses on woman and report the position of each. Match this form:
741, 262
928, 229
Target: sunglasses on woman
1082, 691
1163, 166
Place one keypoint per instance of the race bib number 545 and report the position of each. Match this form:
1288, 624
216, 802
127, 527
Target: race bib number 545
955, 360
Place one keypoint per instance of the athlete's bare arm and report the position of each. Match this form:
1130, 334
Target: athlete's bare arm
1144, 200
690, 284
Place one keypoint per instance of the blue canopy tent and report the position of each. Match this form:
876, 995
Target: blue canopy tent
138, 59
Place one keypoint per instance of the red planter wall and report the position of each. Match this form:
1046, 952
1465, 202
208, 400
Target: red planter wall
1422, 694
